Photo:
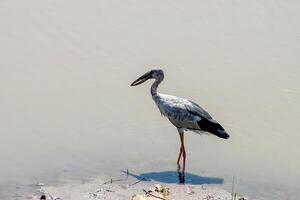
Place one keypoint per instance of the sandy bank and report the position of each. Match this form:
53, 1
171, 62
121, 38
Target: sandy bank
130, 188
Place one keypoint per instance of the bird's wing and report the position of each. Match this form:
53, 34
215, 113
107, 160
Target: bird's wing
186, 114
169, 105
194, 108
181, 112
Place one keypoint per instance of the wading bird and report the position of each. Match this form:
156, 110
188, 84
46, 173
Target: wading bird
182, 113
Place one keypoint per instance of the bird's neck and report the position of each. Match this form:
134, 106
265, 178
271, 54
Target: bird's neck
154, 87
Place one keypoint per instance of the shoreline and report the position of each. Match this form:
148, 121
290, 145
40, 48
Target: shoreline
130, 188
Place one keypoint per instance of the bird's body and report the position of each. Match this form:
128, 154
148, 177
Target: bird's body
182, 113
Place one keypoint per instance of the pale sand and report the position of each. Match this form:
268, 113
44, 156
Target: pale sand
127, 189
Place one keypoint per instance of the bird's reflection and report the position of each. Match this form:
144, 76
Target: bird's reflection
181, 174
181, 177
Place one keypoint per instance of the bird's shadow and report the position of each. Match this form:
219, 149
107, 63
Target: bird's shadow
176, 177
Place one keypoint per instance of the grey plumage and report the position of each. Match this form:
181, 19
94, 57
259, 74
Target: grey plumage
187, 115
182, 113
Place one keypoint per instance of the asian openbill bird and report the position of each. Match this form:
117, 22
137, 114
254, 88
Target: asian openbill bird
182, 113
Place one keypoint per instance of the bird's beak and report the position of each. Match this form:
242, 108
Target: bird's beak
142, 79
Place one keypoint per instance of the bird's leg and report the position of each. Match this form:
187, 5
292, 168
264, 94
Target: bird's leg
182, 151
178, 160
179, 156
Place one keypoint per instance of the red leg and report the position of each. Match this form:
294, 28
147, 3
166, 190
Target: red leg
179, 156
182, 151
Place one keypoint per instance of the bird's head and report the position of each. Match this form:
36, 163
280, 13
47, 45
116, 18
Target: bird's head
157, 74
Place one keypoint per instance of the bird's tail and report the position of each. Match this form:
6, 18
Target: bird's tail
213, 127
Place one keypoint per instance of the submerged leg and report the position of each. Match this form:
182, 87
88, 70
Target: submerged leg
181, 177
